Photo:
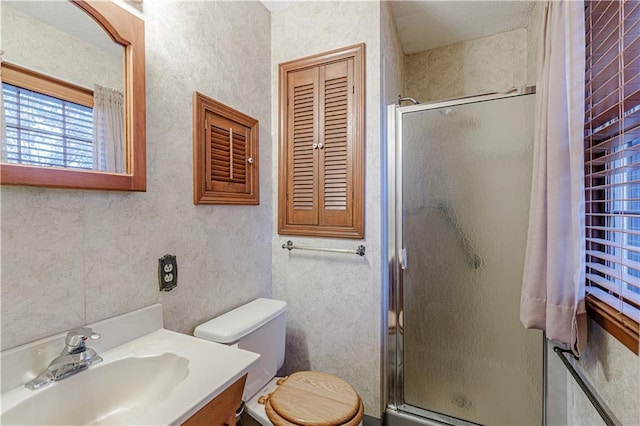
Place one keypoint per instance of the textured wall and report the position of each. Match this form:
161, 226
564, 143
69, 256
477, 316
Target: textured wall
392, 59
472, 67
74, 257
533, 29
334, 299
614, 371
56, 52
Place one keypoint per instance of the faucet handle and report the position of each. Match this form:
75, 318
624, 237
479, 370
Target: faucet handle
77, 336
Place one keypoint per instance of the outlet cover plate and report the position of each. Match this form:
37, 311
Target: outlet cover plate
167, 272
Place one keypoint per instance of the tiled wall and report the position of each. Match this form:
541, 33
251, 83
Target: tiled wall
74, 257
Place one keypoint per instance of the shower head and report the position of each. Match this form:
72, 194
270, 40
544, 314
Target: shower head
406, 99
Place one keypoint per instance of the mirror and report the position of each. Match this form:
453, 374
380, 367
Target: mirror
117, 70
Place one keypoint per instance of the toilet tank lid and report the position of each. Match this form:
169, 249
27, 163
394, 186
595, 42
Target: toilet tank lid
234, 325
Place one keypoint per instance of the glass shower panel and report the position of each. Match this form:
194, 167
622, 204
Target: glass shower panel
466, 173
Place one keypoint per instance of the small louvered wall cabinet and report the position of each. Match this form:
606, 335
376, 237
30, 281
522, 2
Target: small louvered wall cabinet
225, 154
322, 133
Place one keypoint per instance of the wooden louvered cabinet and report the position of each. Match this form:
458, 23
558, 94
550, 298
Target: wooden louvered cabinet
321, 159
225, 154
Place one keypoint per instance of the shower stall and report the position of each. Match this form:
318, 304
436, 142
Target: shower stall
459, 182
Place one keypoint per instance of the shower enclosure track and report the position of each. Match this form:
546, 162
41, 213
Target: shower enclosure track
602, 408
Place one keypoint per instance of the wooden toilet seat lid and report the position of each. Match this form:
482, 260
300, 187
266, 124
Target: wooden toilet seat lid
312, 398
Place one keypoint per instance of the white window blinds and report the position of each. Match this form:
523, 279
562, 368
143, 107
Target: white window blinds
45, 131
612, 157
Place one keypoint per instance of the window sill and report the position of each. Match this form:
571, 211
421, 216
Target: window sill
624, 329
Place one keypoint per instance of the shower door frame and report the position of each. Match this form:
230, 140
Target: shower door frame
393, 340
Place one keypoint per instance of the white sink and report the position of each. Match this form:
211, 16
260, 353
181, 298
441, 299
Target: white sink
104, 394
157, 377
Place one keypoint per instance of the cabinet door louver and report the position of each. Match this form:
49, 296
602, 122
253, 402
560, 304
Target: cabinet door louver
321, 169
227, 151
303, 119
228, 162
225, 154
335, 172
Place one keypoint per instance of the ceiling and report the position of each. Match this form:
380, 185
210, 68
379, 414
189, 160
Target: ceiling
424, 25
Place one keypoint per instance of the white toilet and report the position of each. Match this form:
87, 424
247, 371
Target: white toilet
308, 397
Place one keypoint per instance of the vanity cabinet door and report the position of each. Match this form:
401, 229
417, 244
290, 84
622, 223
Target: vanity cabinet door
220, 411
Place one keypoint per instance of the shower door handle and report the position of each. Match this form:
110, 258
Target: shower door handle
403, 258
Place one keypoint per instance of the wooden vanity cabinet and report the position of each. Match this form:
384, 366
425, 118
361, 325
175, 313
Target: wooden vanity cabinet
221, 410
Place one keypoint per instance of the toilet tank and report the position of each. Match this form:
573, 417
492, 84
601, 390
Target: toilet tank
260, 327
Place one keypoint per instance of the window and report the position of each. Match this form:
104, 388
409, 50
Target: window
321, 169
48, 122
45, 131
612, 166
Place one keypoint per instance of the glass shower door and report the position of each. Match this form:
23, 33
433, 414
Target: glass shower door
466, 177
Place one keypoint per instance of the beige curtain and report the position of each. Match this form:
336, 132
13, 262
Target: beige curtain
108, 130
553, 283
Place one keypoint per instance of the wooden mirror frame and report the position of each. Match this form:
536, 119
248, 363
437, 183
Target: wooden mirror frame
127, 30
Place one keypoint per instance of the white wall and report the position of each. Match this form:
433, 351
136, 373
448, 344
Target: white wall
334, 299
74, 257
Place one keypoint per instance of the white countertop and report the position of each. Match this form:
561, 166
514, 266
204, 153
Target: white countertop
210, 369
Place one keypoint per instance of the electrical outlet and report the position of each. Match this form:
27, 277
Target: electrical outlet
167, 272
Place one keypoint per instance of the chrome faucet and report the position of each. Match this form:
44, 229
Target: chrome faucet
75, 357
